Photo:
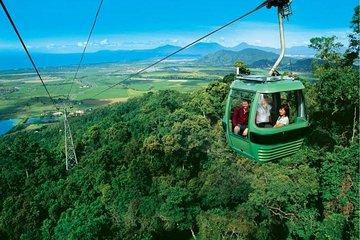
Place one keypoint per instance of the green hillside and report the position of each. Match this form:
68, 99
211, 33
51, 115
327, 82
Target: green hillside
255, 58
158, 167
227, 57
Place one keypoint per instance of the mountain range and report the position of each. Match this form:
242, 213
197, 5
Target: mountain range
202, 51
228, 57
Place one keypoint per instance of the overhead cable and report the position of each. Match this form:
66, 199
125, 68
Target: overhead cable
27, 52
85, 47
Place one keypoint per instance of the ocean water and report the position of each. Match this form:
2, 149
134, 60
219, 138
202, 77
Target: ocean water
7, 125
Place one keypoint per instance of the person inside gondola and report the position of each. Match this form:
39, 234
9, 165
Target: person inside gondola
283, 119
263, 115
240, 118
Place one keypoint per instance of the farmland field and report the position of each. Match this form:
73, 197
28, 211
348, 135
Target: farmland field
22, 94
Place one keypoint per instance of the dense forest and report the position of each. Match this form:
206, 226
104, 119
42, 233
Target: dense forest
158, 167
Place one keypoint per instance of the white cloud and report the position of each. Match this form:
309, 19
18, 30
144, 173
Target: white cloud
50, 46
81, 44
267, 34
264, 34
104, 42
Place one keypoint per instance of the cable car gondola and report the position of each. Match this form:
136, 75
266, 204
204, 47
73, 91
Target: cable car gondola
261, 141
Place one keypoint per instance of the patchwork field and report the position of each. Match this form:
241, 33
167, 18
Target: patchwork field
22, 94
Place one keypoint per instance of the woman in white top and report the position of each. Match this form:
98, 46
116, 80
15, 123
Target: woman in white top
263, 112
283, 119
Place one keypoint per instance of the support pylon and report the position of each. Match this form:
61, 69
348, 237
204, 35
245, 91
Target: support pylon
70, 154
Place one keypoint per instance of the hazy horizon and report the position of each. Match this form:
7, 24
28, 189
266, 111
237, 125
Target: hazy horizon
148, 48
62, 26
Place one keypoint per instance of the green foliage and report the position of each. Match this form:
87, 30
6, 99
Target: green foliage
83, 222
224, 185
352, 53
336, 102
336, 92
228, 78
340, 182
327, 49
221, 224
157, 167
283, 200
243, 69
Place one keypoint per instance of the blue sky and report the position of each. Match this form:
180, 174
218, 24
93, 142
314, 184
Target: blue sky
63, 25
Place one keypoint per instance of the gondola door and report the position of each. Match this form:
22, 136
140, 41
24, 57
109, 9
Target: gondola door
240, 106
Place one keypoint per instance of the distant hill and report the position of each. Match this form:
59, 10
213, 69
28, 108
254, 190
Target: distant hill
263, 63
296, 51
302, 65
18, 59
292, 64
11, 60
255, 58
228, 58
300, 51
202, 49
244, 45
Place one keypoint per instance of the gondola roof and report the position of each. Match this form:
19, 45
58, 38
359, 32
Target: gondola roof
266, 84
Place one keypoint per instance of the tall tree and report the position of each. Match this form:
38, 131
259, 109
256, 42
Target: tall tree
327, 49
241, 68
352, 53
337, 86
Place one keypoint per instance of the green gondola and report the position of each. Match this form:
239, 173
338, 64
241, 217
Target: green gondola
261, 141
267, 143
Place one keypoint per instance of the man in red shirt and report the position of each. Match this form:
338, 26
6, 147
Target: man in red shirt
240, 118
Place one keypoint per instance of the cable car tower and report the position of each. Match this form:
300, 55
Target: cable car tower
70, 154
